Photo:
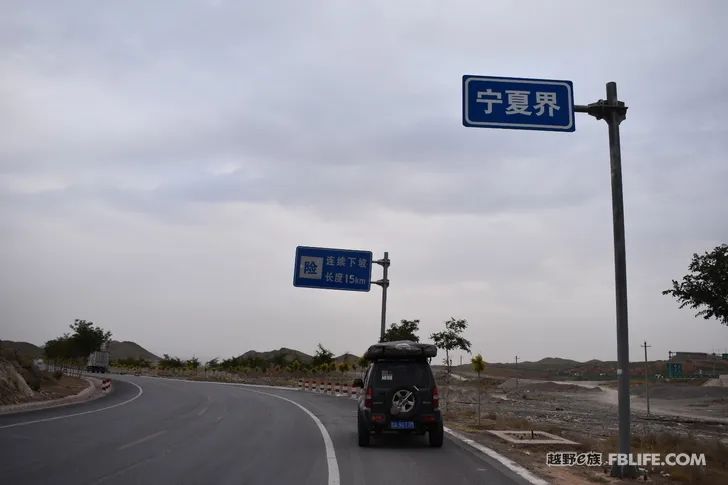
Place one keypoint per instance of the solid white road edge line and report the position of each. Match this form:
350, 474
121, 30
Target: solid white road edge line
508, 463
24, 423
330, 452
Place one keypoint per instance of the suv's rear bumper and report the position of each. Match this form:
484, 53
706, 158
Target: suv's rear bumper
381, 422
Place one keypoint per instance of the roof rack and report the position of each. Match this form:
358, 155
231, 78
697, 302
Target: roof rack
400, 349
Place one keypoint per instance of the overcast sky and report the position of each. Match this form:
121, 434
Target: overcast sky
161, 161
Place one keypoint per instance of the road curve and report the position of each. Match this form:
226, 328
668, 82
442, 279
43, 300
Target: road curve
165, 431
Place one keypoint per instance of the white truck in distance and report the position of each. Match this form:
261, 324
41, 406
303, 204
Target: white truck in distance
98, 362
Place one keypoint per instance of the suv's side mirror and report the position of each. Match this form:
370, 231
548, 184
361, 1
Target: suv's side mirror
358, 383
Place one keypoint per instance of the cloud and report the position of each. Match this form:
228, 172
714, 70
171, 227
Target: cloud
159, 164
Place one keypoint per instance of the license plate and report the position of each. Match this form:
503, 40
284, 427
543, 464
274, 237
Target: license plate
402, 425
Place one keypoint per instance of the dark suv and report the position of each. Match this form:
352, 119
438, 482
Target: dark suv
400, 394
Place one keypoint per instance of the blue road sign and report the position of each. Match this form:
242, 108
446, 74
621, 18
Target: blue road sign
515, 103
333, 269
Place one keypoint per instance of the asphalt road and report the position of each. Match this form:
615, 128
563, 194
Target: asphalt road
162, 431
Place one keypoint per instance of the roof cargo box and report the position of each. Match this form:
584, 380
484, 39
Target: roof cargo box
401, 349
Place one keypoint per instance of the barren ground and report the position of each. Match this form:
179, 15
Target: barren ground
15, 390
683, 418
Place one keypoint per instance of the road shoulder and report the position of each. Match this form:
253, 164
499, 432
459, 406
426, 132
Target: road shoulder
91, 392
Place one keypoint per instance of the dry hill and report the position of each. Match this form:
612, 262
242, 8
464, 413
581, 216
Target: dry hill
281, 355
22, 348
130, 350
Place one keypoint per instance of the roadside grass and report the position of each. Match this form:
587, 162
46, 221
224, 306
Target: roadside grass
716, 456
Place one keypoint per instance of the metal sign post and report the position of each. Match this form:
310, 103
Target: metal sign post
614, 112
384, 283
541, 104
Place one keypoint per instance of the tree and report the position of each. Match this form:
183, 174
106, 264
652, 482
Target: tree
478, 366
706, 287
294, 366
59, 349
405, 330
77, 346
56, 349
363, 363
280, 360
168, 362
323, 357
193, 363
451, 339
131, 362
87, 338
343, 368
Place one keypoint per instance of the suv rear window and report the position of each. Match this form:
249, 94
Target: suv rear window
395, 374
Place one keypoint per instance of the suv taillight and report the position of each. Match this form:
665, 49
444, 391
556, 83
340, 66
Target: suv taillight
435, 398
368, 398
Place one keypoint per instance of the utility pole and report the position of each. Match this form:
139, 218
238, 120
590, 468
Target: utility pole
647, 389
384, 283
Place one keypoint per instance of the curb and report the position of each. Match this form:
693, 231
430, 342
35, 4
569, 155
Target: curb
87, 394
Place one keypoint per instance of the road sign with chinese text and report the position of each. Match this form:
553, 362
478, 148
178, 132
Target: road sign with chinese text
522, 104
332, 269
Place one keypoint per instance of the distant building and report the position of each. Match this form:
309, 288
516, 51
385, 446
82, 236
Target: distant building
689, 355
